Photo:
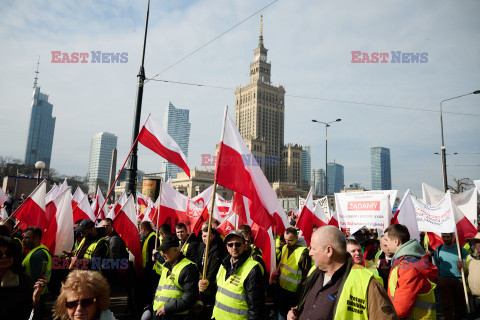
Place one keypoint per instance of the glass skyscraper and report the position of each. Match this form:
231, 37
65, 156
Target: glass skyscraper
381, 170
99, 164
335, 177
306, 164
176, 124
318, 182
40, 132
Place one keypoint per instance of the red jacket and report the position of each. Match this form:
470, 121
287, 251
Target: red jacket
413, 275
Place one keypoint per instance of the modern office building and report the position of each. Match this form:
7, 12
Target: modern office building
99, 165
306, 166
176, 124
335, 177
260, 112
381, 169
41, 129
318, 182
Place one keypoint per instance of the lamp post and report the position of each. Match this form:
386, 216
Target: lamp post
442, 148
327, 124
39, 165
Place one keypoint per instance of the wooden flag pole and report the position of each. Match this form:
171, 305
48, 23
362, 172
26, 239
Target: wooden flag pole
209, 230
158, 213
462, 272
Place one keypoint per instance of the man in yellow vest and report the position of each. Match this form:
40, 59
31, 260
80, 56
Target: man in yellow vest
188, 246
37, 264
335, 290
149, 278
294, 266
240, 292
177, 290
93, 248
410, 284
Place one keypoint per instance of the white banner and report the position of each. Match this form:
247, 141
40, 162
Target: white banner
371, 209
436, 218
323, 204
477, 185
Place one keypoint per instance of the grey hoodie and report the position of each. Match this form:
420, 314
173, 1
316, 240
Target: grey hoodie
410, 248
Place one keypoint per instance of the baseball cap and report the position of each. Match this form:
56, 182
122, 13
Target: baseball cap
169, 242
84, 225
234, 233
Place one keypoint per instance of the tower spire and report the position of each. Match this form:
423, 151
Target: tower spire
260, 38
36, 74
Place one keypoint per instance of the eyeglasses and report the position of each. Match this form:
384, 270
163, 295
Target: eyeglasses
236, 244
6, 254
83, 303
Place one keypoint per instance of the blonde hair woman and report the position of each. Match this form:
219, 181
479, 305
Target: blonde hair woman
85, 295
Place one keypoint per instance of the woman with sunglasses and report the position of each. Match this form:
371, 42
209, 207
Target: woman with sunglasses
85, 295
16, 288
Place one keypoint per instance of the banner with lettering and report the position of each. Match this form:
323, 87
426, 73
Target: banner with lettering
436, 218
371, 209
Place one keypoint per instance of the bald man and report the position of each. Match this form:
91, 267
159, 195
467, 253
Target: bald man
336, 288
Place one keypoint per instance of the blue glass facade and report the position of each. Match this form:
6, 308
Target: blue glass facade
40, 132
381, 170
335, 177
176, 124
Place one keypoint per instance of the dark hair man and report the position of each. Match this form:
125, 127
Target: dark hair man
187, 244
336, 289
410, 284
149, 278
93, 245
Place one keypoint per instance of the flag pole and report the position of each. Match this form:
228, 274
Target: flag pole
213, 195
158, 212
462, 272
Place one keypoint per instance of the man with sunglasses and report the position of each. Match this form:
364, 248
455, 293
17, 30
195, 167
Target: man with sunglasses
240, 289
177, 290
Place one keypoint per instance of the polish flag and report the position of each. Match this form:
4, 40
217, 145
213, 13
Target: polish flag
264, 240
83, 210
117, 206
125, 223
334, 220
97, 203
146, 213
59, 236
228, 224
52, 193
240, 206
407, 216
160, 142
173, 207
246, 177
141, 200
32, 211
319, 215
77, 197
306, 218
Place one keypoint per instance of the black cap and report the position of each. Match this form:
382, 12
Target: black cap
84, 225
234, 233
169, 242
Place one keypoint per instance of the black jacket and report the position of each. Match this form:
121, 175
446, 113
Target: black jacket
253, 285
188, 279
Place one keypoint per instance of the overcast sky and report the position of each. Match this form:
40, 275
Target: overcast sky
310, 45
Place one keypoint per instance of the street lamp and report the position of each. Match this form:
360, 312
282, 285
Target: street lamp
39, 165
442, 148
327, 124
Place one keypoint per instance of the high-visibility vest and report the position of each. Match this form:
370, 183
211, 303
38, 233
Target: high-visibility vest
168, 287
370, 266
231, 299
21, 242
91, 249
378, 254
352, 303
290, 273
185, 248
278, 249
48, 268
157, 266
424, 307
145, 248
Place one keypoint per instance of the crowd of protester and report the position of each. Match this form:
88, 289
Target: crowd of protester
339, 276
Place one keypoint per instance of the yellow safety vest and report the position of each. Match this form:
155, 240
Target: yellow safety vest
278, 249
48, 268
145, 248
157, 266
21, 242
168, 287
352, 304
424, 307
377, 255
185, 248
290, 273
370, 266
91, 249
231, 299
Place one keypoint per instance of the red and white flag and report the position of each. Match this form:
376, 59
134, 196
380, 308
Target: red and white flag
83, 210
238, 170
97, 203
305, 220
117, 206
51, 194
142, 200
146, 213
32, 211
59, 236
173, 207
77, 196
320, 212
125, 223
407, 216
264, 240
160, 142
240, 206
228, 224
